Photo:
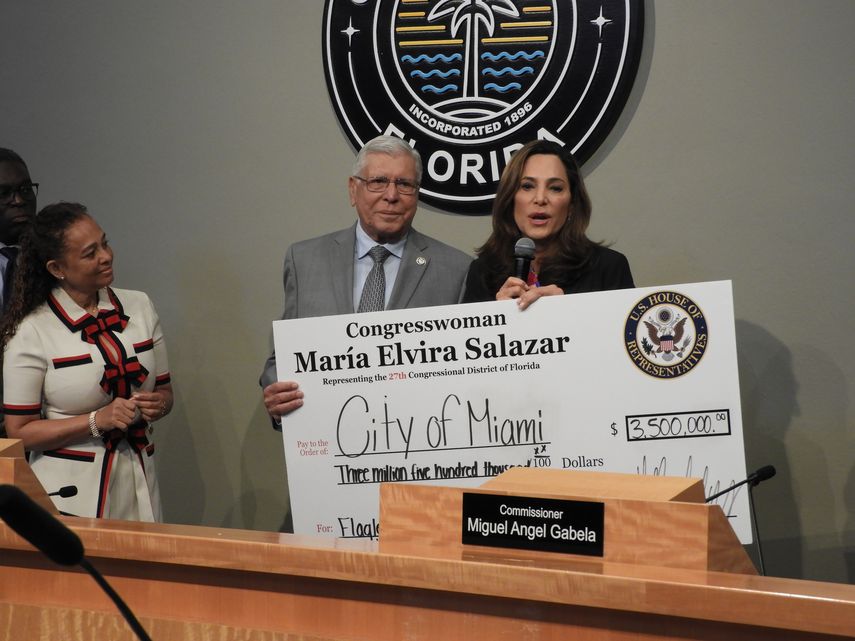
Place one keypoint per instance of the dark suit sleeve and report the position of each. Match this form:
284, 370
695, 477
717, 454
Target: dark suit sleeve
607, 270
476, 288
616, 272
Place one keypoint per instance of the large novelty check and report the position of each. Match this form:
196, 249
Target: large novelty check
641, 381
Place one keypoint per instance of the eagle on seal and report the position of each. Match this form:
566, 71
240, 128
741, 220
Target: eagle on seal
665, 341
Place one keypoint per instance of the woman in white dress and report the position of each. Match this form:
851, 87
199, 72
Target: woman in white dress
85, 370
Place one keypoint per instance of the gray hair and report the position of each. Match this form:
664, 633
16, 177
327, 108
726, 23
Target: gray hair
391, 146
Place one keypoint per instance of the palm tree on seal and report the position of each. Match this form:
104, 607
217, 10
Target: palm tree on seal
471, 13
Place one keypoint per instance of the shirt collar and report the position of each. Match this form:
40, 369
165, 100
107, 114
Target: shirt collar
74, 311
364, 243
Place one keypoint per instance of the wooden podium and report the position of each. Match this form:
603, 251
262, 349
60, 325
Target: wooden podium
420, 583
14, 470
654, 520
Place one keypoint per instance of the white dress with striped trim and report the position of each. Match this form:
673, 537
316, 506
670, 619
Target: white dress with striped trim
49, 368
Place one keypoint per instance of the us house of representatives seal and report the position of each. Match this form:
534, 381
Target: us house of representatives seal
468, 82
666, 334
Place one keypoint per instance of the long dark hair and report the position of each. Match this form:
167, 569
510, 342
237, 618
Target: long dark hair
43, 241
571, 249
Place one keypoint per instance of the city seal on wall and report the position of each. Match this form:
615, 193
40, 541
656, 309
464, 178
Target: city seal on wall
666, 334
468, 82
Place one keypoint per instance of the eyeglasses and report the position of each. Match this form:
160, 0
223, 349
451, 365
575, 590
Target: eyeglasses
27, 191
381, 183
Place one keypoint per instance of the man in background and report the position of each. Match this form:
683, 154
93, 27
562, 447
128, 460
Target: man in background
17, 210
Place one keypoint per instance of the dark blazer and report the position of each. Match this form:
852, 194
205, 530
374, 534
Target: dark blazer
606, 270
318, 278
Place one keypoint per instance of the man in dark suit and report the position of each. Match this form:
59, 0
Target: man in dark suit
381, 262
17, 210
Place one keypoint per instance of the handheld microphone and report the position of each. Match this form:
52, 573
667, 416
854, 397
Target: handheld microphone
523, 254
755, 478
65, 492
35, 524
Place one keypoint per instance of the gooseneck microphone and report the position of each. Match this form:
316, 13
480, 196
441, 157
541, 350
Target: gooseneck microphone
763, 474
65, 492
754, 479
35, 524
523, 255
38, 526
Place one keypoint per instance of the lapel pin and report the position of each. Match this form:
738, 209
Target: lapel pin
421, 260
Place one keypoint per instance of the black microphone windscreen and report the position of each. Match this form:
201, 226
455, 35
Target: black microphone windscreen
67, 491
32, 522
764, 473
524, 248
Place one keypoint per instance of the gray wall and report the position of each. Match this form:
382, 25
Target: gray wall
200, 135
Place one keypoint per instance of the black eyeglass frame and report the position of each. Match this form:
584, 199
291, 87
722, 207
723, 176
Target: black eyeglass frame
27, 191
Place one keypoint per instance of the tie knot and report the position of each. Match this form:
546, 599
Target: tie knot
379, 254
9, 252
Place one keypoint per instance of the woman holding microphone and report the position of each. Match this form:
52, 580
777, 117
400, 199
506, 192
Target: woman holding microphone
541, 196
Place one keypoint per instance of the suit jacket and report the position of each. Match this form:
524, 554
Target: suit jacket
606, 270
318, 278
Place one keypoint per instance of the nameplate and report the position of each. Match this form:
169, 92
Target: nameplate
530, 523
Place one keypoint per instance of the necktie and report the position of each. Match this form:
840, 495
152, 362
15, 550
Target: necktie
373, 297
11, 253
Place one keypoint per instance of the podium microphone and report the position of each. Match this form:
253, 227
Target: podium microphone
38, 526
65, 492
755, 478
523, 254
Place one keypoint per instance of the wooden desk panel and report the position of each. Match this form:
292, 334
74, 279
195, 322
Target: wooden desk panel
257, 581
29, 622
